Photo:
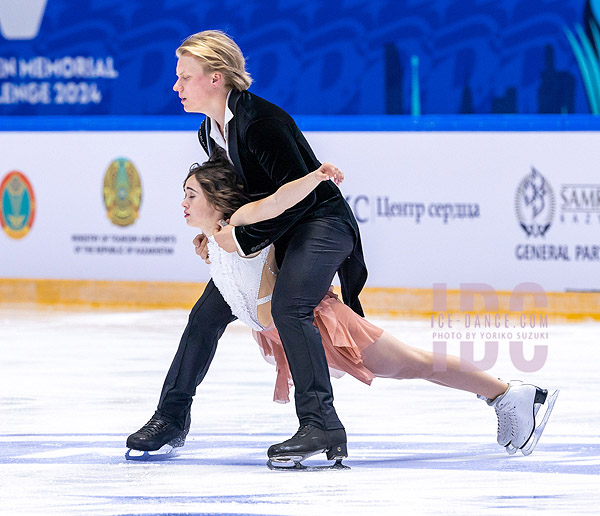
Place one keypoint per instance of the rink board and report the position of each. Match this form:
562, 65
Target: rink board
436, 208
379, 302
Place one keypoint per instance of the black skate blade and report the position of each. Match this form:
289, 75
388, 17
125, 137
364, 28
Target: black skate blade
297, 466
166, 452
529, 446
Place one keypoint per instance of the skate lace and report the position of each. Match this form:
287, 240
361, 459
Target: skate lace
507, 421
153, 427
302, 431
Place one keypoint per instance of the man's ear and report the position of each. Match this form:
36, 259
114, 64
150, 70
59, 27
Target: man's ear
217, 78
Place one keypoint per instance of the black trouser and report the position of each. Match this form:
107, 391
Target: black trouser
313, 254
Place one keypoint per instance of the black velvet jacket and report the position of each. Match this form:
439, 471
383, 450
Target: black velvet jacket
268, 150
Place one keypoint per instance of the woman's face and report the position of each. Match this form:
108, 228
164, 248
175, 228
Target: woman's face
197, 211
196, 88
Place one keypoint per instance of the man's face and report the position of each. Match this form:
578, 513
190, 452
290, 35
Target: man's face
194, 85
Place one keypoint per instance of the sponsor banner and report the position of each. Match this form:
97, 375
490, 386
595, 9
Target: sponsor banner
497, 209
112, 57
493, 209
107, 206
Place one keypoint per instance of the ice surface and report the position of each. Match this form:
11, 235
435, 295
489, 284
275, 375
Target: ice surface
74, 384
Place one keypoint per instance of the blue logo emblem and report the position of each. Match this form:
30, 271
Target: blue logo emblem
17, 205
535, 204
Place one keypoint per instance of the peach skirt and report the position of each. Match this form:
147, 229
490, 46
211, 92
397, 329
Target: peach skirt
344, 334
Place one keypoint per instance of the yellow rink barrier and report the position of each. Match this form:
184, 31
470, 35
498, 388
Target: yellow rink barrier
377, 302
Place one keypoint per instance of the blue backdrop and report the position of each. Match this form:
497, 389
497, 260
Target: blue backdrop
316, 57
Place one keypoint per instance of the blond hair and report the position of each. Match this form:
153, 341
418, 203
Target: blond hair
218, 53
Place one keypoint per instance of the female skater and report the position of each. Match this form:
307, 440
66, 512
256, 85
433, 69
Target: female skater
352, 344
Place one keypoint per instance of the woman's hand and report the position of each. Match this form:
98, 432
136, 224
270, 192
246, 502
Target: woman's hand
328, 171
200, 243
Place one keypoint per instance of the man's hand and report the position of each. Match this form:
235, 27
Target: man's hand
224, 238
201, 248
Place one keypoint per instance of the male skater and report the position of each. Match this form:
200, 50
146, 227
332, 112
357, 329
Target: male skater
313, 240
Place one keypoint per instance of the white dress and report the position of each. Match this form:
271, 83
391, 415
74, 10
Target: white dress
238, 280
343, 332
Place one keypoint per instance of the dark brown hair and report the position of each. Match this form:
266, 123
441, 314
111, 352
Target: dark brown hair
219, 182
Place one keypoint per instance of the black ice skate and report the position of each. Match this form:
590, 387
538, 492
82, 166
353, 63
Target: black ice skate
517, 409
156, 440
308, 441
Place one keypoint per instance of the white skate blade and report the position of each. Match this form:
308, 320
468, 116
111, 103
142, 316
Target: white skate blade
537, 433
510, 449
297, 466
288, 461
162, 453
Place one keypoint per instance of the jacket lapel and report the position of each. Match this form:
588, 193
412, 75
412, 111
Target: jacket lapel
203, 133
233, 137
209, 140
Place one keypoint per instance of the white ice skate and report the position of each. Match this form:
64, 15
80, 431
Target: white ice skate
516, 410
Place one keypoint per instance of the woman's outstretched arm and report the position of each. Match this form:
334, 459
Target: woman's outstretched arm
285, 197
